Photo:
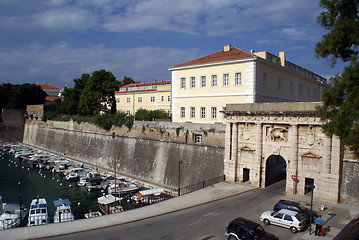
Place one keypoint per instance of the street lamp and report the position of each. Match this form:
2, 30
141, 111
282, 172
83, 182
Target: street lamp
311, 209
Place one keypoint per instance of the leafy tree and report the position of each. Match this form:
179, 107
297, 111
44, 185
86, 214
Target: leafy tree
340, 109
145, 115
101, 86
126, 80
18, 96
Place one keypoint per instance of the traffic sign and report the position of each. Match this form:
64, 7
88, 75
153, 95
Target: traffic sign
294, 177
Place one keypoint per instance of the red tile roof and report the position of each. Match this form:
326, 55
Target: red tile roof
51, 99
234, 54
147, 84
48, 86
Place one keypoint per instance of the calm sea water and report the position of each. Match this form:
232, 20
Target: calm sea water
42, 183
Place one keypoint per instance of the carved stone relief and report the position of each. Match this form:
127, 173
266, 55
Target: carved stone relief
247, 133
276, 134
311, 137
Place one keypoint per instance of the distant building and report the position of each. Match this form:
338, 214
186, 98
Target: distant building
150, 96
51, 91
201, 88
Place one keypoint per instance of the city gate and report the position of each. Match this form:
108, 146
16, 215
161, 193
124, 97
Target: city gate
267, 140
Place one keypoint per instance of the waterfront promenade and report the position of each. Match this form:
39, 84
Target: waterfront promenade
337, 214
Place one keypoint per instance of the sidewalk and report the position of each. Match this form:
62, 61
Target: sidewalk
335, 217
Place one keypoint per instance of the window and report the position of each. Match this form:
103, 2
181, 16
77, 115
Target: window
183, 112
288, 218
128, 100
264, 80
183, 83
128, 112
225, 80
203, 81
117, 100
279, 215
152, 99
315, 93
214, 112
193, 112
238, 79
168, 98
291, 86
198, 138
300, 90
139, 99
203, 112
278, 83
162, 98
193, 82
308, 91
214, 80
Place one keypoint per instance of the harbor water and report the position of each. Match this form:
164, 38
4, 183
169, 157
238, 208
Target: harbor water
17, 178
44, 184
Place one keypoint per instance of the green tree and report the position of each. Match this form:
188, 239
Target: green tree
340, 109
126, 80
100, 87
25, 94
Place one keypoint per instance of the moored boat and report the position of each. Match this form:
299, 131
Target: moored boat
148, 196
63, 211
11, 215
38, 214
93, 214
109, 204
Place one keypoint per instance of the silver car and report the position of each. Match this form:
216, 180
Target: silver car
284, 218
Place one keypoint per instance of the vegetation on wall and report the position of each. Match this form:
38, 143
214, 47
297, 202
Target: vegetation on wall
340, 109
150, 115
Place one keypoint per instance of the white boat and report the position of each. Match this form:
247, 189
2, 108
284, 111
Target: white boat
109, 204
38, 213
93, 214
148, 196
11, 215
121, 188
63, 211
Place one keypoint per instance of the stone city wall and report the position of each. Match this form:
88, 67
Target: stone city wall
153, 159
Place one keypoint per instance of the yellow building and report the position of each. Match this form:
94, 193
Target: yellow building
201, 88
149, 96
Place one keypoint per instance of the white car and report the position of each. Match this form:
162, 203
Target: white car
284, 218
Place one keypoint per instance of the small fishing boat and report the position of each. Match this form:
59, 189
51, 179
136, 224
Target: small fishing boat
93, 214
121, 188
148, 196
109, 204
63, 211
11, 215
38, 214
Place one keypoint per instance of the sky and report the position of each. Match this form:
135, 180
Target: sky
56, 41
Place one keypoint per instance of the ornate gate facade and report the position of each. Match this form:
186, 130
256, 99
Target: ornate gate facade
254, 132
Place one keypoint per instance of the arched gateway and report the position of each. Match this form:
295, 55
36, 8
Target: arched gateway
258, 135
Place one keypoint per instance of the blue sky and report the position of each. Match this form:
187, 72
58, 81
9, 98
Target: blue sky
55, 41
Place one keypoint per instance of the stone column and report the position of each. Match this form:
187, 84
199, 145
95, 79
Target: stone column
292, 164
234, 142
228, 141
326, 162
258, 181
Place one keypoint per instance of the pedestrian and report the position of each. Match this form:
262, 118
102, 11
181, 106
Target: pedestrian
318, 225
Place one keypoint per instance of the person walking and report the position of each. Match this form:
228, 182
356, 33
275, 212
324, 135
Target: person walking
318, 225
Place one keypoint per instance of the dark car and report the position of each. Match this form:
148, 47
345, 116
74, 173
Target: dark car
295, 206
241, 228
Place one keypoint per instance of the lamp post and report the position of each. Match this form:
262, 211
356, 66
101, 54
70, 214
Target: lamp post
20, 202
311, 210
179, 178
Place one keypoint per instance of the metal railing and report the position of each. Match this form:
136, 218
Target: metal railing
200, 185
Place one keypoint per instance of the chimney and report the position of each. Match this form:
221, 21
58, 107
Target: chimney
282, 58
227, 48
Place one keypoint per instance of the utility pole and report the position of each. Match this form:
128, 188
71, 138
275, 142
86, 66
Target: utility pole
311, 210
179, 178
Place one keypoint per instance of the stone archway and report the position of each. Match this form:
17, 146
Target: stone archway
276, 169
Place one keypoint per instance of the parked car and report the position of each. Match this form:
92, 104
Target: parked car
241, 228
297, 207
284, 218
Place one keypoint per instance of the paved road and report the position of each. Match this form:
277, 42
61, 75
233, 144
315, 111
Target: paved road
201, 222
